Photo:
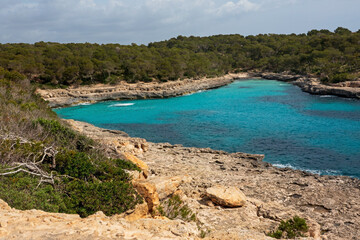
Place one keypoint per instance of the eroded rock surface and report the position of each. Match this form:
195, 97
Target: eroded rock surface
226, 196
123, 90
330, 204
349, 89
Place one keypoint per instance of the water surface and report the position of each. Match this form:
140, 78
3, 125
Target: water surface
320, 134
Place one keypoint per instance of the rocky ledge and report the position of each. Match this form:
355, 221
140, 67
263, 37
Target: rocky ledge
349, 89
234, 196
123, 90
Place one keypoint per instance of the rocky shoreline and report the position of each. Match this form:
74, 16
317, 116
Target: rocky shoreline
330, 204
350, 89
124, 91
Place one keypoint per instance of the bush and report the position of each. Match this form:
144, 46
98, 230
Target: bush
291, 228
174, 208
77, 176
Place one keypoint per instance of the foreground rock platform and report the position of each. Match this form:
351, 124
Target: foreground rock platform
330, 204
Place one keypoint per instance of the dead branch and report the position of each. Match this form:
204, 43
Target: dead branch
31, 167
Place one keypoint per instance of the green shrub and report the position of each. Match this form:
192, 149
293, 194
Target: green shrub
74, 164
291, 228
111, 197
174, 208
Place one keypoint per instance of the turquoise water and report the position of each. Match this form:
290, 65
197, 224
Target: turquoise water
320, 134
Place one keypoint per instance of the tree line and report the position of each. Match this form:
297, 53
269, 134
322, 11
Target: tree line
331, 56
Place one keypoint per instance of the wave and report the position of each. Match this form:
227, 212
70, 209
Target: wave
121, 104
82, 104
319, 172
327, 96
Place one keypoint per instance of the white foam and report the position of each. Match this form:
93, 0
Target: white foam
319, 172
327, 96
122, 104
82, 104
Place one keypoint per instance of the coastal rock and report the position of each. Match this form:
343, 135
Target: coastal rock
226, 196
143, 166
34, 224
167, 186
349, 89
148, 191
330, 203
123, 90
313, 86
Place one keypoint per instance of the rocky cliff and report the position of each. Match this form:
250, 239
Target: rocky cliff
123, 90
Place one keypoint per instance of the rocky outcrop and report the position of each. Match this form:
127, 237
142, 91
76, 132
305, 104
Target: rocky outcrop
123, 90
350, 89
226, 196
330, 204
313, 86
34, 224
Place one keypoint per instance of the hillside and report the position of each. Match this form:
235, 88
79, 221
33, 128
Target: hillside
330, 56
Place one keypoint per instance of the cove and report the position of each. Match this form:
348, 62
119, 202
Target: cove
320, 134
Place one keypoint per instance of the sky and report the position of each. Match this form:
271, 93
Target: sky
145, 21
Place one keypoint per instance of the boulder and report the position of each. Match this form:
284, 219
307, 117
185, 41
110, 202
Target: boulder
167, 186
148, 192
226, 196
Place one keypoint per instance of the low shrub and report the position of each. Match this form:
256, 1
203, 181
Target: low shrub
292, 228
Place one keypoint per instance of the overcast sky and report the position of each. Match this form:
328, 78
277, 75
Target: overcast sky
144, 21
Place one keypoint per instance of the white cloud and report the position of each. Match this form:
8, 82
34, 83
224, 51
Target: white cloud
142, 21
237, 7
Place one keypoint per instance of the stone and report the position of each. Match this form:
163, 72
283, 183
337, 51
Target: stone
4, 205
226, 196
148, 191
140, 211
143, 166
167, 186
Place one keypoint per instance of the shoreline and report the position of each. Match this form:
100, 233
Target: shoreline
154, 90
277, 193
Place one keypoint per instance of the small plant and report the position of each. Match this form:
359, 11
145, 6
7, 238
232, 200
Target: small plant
295, 227
174, 208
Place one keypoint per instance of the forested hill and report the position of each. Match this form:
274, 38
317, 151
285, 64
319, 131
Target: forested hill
332, 56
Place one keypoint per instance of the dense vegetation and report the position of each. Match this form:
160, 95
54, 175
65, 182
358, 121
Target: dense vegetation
332, 56
45, 165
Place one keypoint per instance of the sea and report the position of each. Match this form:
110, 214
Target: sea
319, 134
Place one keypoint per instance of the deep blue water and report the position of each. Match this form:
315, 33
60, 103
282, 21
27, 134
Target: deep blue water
320, 134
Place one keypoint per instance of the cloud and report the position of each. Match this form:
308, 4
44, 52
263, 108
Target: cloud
236, 7
143, 21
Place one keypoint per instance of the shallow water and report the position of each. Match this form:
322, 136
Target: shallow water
320, 134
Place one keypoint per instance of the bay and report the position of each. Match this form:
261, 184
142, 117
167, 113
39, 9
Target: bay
320, 134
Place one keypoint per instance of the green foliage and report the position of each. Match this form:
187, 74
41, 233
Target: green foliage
319, 52
111, 197
290, 229
85, 180
74, 164
174, 208
63, 135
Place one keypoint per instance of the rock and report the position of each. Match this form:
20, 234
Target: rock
4, 205
166, 186
141, 211
123, 90
226, 196
148, 191
143, 166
